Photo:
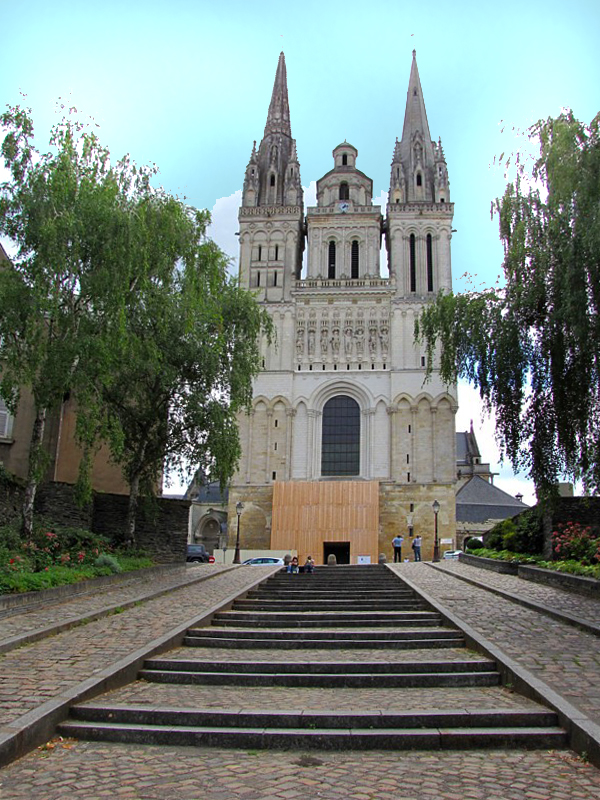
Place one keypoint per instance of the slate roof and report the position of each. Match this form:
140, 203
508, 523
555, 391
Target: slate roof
479, 501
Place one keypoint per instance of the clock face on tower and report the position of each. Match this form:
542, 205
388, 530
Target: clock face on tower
344, 207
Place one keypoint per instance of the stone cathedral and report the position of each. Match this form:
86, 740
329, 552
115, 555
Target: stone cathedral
345, 444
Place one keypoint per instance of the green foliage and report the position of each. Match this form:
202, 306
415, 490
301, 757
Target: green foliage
109, 562
533, 346
574, 541
569, 566
118, 300
472, 542
522, 534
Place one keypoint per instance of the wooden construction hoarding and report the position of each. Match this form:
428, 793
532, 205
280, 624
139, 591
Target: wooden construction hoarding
307, 514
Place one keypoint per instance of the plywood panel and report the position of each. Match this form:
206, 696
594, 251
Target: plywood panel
308, 513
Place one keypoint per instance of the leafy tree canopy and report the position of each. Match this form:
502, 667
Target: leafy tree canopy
116, 298
533, 346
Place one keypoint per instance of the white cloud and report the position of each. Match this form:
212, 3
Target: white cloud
470, 409
224, 225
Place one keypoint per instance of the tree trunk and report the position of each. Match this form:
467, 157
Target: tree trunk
34, 475
134, 491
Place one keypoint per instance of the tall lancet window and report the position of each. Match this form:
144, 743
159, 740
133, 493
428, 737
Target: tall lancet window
413, 262
344, 191
429, 263
340, 448
354, 263
331, 261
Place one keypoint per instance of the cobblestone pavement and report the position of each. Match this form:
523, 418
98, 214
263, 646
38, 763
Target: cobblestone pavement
586, 608
17, 622
37, 672
562, 656
268, 698
567, 659
93, 771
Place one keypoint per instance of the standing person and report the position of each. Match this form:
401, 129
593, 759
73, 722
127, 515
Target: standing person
397, 545
416, 546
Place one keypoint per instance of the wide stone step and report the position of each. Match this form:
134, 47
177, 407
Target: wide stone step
356, 738
476, 718
381, 596
324, 680
325, 635
310, 604
321, 667
319, 621
306, 643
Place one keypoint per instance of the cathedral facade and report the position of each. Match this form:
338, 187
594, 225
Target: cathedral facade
346, 444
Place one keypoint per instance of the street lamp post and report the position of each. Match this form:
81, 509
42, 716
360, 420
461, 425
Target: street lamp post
238, 510
436, 541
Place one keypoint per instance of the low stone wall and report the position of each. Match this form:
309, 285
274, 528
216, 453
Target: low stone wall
56, 501
493, 564
560, 580
161, 524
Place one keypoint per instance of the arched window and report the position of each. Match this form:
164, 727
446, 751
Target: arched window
413, 263
344, 191
345, 160
354, 260
331, 261
273, 180
340, 450
6, 421
419, 179
429, 263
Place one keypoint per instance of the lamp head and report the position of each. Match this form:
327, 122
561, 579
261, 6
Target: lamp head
239, 508
435, 506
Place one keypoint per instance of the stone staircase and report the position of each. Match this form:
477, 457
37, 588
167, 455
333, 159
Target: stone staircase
345, 657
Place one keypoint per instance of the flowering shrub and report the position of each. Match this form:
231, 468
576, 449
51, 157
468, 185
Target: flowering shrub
574, 541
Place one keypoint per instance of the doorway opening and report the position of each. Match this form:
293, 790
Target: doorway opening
341, 550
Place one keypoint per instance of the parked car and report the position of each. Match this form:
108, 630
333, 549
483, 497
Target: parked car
199, 554
264, 560
452, 554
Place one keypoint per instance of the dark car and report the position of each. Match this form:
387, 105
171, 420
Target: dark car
198, 553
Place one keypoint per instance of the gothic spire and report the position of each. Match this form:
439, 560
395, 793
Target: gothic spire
416, 148
278, 119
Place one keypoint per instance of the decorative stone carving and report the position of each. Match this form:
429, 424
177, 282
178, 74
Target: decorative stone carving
311, 341
348, 340
373, 341
384, 338
300, 342
360, 342
335, 341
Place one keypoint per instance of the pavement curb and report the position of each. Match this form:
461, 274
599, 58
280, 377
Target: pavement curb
39, 725
561, 616
51, 630
583, 734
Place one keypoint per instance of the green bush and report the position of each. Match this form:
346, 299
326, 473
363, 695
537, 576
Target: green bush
521, 534
109, 562
472, 542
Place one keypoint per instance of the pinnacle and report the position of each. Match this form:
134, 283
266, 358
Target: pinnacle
278, 118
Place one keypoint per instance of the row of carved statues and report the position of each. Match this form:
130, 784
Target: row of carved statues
348, 339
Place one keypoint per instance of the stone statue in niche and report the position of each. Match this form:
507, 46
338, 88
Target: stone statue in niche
300, 342
324, 341
335, 341
348, 340
311, 342
384, 339
373, 341
360, 341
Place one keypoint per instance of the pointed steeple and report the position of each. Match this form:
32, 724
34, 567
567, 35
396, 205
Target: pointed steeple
417, 154
278, 118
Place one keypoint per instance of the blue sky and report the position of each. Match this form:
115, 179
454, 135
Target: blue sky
186, 85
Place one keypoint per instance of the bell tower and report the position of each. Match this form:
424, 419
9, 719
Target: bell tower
419, 212
271, 216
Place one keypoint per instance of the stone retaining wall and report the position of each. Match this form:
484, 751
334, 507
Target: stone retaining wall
493, 564
560, 580
161, 524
